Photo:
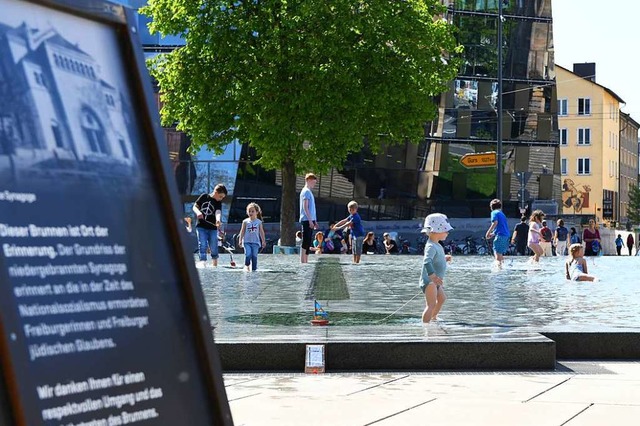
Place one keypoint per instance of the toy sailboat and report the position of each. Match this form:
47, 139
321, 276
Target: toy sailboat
320, 317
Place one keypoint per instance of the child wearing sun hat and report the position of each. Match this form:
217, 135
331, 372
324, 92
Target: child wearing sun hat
434, 265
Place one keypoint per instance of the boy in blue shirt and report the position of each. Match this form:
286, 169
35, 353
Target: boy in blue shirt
500, 230
357, 230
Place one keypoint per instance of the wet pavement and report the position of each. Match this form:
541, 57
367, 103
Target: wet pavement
379, 299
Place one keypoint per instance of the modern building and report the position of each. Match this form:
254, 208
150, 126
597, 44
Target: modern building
590, 144
468, 119
409, 181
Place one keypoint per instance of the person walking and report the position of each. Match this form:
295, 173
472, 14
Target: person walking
630, 243
560, 238
252, 236
619, 244
534, 235
208, 210
308, 218
591, 238
520, 236
499, 231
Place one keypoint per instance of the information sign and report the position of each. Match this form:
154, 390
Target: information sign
102, 317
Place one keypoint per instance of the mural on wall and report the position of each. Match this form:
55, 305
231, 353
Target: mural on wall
575, 196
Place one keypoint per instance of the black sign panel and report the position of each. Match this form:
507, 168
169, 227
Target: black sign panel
102, 319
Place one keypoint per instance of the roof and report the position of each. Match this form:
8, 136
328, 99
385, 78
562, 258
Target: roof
606, 89
626, 116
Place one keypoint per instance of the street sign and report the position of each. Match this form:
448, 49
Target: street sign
479, 159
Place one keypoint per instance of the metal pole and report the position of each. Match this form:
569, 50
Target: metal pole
499, 105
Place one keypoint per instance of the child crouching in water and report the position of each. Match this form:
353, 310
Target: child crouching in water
434, 265
252, 236
576, 266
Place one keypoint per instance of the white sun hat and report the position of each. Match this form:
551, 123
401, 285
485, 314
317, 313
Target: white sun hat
436, 222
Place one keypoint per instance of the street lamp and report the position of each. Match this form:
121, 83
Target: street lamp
499, 103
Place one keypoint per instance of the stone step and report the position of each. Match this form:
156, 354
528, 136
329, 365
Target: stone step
536, 352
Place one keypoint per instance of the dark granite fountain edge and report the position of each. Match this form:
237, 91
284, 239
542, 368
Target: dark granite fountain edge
621, 345
539, 353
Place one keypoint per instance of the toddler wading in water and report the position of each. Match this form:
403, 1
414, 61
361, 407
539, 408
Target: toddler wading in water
576, 266
434, 265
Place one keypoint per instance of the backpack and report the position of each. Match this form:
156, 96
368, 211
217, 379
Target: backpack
595, 246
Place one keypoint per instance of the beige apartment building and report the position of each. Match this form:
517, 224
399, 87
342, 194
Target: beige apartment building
593, 162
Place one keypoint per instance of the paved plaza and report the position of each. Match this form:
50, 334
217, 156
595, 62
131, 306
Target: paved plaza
577, 394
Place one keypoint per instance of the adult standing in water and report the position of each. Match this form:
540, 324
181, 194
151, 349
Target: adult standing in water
520, 236
590, 236
560, 238
308, 217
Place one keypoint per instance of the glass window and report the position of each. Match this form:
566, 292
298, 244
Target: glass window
584, 166
563, 166
94, 132
563, 107
57, 136
584, 106
564, 136
584, 136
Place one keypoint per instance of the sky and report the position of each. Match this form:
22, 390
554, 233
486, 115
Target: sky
604, 32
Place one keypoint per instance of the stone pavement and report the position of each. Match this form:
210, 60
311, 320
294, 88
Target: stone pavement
585, 393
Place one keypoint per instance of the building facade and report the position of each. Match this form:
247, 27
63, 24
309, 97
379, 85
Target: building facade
468, 119
590, 128
628, 162
64, 115
411, 180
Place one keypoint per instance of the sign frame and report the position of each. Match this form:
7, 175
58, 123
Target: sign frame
123, 23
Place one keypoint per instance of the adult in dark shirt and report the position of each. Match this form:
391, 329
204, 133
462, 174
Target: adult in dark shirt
369, 244
520, 236
630, 243
208, 209
390, 244
589, 236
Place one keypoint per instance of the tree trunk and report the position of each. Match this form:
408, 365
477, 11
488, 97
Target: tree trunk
289, 206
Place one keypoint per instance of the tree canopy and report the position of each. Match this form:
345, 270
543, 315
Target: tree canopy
633, 212
304, 82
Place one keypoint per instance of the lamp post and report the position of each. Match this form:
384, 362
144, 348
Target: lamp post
499, 105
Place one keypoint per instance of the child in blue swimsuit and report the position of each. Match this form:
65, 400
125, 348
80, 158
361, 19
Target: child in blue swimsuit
576, 266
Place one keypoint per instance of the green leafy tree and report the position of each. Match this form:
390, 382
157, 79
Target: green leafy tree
634, 204
304, 82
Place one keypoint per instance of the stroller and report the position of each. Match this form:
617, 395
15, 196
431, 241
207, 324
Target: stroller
226, 247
